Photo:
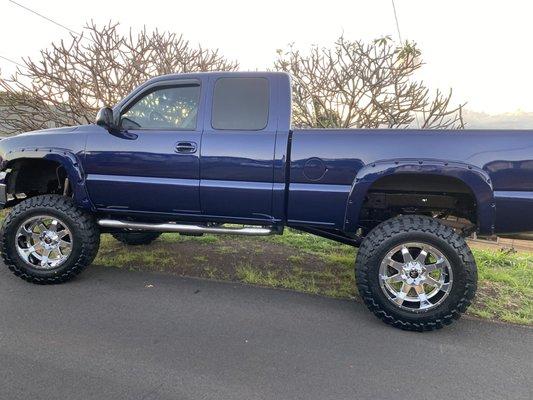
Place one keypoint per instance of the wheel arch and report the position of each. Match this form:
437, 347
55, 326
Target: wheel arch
63, 158
474, 178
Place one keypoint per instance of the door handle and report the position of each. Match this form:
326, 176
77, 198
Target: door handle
186, 147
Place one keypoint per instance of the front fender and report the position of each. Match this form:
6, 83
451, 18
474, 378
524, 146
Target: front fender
66, 158
475, 178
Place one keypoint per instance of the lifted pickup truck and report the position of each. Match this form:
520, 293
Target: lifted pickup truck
209, 152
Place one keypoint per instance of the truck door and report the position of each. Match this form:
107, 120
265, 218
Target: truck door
237, 153
153, 165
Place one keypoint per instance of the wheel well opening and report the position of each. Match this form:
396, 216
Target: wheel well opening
31, 177
446, 198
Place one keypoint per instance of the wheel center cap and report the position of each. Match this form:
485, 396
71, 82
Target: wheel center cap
413, 272
50, 238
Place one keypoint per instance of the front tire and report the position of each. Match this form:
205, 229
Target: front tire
47, 239
415, 273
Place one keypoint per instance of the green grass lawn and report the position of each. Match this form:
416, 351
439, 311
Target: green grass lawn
306, 263
505, 286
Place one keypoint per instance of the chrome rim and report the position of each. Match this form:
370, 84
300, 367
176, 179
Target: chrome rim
44, 242
415, 276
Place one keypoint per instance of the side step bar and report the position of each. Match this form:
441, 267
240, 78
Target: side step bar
518, 236
182, 228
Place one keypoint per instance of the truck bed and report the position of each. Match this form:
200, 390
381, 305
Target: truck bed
325, 164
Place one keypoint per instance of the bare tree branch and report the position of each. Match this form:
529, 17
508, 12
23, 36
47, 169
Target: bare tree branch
70, 81
351, 85
364, 85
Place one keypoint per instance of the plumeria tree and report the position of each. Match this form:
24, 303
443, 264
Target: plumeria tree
355, 84
72, 79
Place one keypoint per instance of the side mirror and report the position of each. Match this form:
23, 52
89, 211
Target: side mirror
104, 118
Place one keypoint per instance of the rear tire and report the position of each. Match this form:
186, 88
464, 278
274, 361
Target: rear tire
136, 238
47, 239
417, 290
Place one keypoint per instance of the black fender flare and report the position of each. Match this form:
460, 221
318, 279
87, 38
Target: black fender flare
66, 158
473, 177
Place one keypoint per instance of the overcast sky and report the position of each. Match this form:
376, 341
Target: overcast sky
480, 48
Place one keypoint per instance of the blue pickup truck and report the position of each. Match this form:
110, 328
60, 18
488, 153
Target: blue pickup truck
215, 153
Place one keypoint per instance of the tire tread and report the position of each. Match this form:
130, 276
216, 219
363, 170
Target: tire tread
414, 223
84, 222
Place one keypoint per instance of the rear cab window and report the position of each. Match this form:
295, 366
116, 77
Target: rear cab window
240, 103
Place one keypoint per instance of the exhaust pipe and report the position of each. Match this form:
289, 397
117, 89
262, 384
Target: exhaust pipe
182, 228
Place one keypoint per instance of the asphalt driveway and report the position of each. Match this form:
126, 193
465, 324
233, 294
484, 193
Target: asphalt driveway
114, 334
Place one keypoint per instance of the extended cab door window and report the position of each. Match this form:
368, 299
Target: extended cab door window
167, 108
236, 163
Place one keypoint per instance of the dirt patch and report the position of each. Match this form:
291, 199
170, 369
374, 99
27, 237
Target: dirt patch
250, 260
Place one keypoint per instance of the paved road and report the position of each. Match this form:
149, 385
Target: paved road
126, 335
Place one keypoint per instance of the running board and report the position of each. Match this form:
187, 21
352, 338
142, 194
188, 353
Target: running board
182, 228
517, 236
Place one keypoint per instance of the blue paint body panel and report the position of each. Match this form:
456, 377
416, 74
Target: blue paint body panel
130, 173
325, 204
307, 178
514, 211
137, 193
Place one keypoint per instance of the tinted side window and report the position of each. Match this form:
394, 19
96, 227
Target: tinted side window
164, 108
240, 104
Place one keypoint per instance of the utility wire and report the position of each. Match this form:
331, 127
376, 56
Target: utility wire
46, 18
13, 62
401, 43
395, 17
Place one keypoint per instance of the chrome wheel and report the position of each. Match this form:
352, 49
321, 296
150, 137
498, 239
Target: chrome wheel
415, 276
44, 242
